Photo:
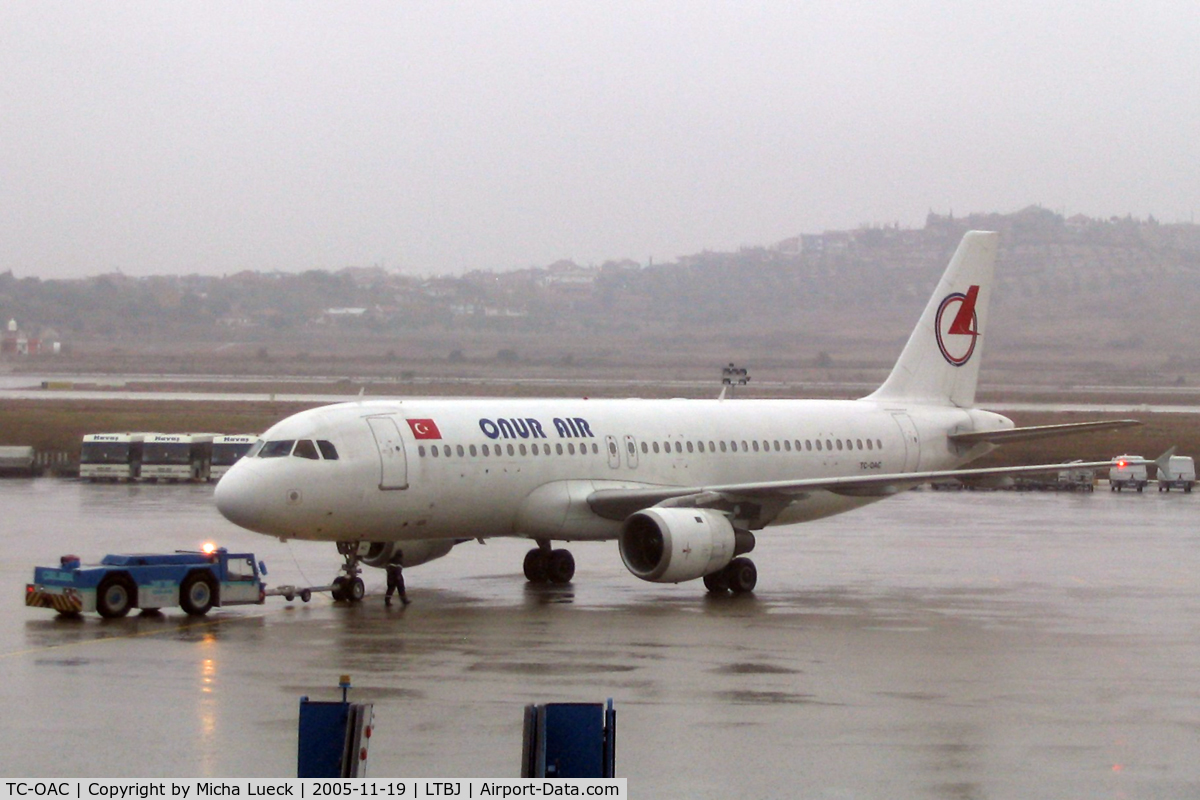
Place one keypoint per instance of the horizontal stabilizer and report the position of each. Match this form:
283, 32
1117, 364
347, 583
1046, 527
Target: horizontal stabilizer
1005, 436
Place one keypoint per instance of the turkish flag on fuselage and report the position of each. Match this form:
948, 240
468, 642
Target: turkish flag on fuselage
424, 429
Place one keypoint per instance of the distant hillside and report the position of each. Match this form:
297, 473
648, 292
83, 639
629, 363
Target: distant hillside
1116, 292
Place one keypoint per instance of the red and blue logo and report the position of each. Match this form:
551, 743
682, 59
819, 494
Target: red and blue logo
957, 326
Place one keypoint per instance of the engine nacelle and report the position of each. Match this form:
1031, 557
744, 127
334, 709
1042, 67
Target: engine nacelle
380, 554
670, 545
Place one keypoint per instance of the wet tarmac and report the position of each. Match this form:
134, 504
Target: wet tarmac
936, 645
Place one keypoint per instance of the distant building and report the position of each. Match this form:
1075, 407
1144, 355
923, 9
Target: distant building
331, 315
16, 342
791, 245
569, 275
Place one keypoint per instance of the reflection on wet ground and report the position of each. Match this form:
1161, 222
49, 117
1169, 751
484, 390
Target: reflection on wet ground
956, 645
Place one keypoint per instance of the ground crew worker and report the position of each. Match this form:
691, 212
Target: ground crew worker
395, 581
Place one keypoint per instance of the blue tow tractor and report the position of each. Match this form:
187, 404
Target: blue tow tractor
194, 581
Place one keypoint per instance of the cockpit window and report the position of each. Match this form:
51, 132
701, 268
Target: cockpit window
255, 448
306, 449
277, 449
327, 450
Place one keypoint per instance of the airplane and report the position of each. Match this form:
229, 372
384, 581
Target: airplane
682, 485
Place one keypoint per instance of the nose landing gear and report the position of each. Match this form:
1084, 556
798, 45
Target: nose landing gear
348, 587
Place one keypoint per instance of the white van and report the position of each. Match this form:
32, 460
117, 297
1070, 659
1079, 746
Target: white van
1082, 480
1180, 473
1129, 473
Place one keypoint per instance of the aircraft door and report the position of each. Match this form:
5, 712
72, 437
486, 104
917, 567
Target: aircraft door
614, 453
631, 454
393, 463
912, 441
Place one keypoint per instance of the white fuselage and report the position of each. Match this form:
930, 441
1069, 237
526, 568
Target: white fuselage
510, 467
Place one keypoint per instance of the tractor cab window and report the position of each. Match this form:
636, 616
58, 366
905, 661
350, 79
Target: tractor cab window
241, 569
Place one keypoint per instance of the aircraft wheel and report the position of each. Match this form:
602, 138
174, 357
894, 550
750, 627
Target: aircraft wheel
560, 567
338, 592
535, 566
196, 595
355, 590
114, 597
305, 595
742, 574
717, 582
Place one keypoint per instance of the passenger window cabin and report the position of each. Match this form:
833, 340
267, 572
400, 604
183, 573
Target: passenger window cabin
322, 449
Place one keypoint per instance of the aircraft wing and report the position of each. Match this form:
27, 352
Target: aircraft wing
618, 504
1005, 436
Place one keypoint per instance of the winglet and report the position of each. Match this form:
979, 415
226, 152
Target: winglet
1163, 462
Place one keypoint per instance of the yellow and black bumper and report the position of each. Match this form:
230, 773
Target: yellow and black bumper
64, 601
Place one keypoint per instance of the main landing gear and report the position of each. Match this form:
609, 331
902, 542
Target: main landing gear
738, 576
544, 565
348, 587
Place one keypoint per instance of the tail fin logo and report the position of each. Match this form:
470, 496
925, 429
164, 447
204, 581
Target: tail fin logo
957, 326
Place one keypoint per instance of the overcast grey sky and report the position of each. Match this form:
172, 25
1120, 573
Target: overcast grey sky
166, 137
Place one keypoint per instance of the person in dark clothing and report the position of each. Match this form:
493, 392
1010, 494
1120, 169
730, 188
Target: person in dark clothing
395, 581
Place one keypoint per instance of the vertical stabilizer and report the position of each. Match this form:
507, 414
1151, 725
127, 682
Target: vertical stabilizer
940, 363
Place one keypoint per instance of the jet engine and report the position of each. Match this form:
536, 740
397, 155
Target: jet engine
380, 554
670, 545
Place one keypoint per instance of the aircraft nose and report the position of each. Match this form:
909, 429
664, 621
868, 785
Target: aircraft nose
241, 498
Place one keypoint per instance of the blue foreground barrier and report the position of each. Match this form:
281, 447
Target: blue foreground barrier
570, 740
334, 737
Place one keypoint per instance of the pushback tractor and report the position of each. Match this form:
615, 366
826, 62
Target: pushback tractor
194, 581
